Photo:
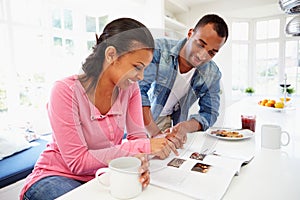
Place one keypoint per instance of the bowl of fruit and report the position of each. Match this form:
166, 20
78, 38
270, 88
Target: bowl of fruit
271, 103
279, 105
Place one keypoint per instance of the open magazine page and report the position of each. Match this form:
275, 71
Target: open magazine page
228, 154
200, 175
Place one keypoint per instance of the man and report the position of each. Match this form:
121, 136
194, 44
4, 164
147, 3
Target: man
181, 73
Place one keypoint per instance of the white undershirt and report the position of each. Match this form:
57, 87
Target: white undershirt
180, 88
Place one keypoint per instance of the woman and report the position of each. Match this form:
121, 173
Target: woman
89, 112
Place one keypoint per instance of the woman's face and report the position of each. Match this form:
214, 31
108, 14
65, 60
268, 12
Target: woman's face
129, 67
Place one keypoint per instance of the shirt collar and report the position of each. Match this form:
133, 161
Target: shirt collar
116, 109
176, 49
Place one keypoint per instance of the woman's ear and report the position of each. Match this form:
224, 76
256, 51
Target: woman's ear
110, 54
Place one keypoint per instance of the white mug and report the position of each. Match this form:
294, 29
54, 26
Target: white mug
271, 136
123, 175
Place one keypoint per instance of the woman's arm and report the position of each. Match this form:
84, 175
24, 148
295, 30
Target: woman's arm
63, 110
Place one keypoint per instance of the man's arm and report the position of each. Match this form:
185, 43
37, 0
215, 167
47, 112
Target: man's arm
149, 122
177, 134
184, 127
190, 126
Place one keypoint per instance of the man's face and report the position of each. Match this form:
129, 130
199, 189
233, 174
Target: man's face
202, 45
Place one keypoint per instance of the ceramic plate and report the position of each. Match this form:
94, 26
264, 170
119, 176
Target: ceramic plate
245, 132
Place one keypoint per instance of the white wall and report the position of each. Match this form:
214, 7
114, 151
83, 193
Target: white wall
149, 12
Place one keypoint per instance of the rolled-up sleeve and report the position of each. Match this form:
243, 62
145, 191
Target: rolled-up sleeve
209, 103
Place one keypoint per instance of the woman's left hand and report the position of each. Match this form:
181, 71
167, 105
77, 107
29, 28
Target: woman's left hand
144, 170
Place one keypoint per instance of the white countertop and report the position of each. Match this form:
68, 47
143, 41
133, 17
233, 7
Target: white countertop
272, 174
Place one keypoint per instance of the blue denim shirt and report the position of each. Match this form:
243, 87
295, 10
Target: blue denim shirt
160, 76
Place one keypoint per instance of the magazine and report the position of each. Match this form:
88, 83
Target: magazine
204, 168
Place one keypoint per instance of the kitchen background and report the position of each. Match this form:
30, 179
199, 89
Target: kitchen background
45, 40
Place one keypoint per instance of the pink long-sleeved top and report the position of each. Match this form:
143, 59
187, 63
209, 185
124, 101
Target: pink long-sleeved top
83, 139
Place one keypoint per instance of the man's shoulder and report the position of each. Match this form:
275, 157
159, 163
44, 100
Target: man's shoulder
210, 67
165, 43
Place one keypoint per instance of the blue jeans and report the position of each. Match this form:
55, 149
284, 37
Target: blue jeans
50, 188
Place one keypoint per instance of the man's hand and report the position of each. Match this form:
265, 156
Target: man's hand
178, 133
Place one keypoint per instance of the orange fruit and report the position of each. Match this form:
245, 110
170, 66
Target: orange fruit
272, 101
279, 104
269, 104
263, 102
287, 99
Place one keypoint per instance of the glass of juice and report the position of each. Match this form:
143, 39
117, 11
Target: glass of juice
248, 122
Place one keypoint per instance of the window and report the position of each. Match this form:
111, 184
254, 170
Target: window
90, 44
267, 69
91, 24
274, 55
267, 57
267, 29
102, 21
57, 41
68, 21
92, 28
69, 43
292, 65
292, 60
240, 31
41, 42
56, 18
60, 17
38, 46
62, 23
240, 54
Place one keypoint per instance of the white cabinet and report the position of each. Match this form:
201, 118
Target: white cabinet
173, 27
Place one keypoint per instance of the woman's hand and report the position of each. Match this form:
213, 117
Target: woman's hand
144, 170
161, 147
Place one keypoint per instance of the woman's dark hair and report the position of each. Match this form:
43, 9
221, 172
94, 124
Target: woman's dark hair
220, 25
124, 34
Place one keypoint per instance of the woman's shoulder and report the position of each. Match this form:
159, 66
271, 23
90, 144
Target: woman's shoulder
67, 83
132, 90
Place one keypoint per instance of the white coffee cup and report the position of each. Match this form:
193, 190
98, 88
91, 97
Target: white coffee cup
271, 136
123, 175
